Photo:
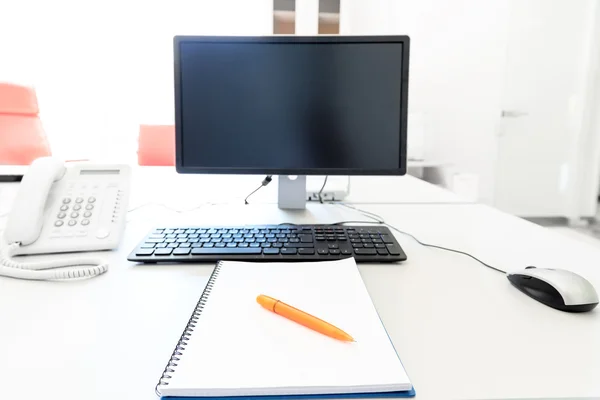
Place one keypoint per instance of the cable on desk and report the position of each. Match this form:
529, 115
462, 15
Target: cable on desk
380, 220
320, 195
265, 182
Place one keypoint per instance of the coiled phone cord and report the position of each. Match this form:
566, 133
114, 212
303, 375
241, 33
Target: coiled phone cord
46, 270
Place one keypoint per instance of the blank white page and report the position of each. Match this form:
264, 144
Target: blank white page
238, 348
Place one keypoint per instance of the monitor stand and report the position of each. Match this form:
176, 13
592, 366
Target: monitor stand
292, 192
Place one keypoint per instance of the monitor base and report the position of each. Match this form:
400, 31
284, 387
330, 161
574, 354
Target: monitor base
291, 192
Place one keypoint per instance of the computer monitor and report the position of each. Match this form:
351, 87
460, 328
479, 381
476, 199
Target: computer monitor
291, 105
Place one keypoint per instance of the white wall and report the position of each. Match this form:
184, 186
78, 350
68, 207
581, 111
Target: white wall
457, 78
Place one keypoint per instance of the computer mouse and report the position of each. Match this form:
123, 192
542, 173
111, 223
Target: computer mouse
557, 288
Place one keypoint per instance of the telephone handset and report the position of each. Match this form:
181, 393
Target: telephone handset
65, 209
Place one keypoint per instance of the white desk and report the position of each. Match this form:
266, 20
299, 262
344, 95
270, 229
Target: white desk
461, 330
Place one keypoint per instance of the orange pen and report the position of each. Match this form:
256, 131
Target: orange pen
302, 318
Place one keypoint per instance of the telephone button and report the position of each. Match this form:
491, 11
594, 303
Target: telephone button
61, 215
91, 199
76, 207
79, 200
66, 200
102, 233
59, 223
85, 222
64, 208
72, 222
74, 214
87, 214
89, 207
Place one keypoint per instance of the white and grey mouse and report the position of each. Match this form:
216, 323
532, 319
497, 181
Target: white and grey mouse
557, 288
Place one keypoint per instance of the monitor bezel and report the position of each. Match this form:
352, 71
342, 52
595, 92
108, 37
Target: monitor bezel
401, 170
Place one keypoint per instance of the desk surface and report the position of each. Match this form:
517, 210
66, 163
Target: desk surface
461, 330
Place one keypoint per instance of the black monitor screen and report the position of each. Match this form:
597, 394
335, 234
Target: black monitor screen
297, 107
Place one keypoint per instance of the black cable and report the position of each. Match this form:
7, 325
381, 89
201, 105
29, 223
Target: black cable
322, 187
265, 182
380, 220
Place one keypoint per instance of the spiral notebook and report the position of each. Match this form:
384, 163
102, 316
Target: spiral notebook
232, 347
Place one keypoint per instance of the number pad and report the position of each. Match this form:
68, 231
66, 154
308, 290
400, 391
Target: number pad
72, 207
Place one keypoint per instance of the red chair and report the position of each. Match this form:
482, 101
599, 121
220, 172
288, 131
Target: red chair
22, 137
156, 145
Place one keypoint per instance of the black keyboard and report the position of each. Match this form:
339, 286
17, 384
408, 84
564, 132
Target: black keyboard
269, 243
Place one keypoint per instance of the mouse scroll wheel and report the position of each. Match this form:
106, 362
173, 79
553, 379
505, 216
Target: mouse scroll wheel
530, 267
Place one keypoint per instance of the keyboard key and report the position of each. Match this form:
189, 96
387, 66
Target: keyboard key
393, 249
181, 252
333, 246
377, 241
220, 245
341, 238
320, 238
193, 240
347, 252
382, 252
334, 252
184, 245
271, 240
278, 245
173, 245
280, 235
254, 245
323, 251
263, 245
283, 240
190, 231
297, 245
294, 240
161, 245
242, 244
227, 240
182, 235
270, 251
306, 238
155, 240
305, 251
380, 246
194, 245
148, 245
368, 245
170, 240
387, 239
208, 245
357, 245
178, 231
163, 252
365, 252
355, 240
330, 238
231, 245
226, 251
144, 252
249, 240
182, 240
288, 251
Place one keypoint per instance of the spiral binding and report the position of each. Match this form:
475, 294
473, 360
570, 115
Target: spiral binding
187, 332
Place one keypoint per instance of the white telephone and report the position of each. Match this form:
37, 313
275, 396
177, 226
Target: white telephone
60, 209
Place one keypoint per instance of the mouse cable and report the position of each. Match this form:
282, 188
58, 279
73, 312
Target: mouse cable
380, 220
320, 195
265, 182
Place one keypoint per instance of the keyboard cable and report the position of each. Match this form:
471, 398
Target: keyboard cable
264, 183
380, 220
